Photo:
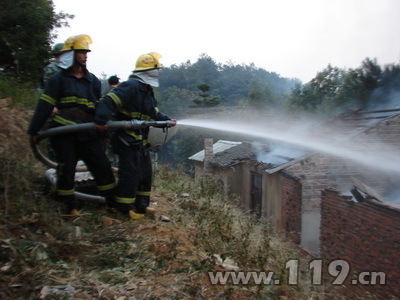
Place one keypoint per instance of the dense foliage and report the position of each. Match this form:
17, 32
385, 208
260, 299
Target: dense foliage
333, 89
244, 88
244, 85
204, 99
25, 31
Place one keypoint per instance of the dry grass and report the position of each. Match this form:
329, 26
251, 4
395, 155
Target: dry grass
100, 255
103, 256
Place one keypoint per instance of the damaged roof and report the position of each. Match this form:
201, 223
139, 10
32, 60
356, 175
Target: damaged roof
234, 155
227, 154
358, 121
353, 123
219, 146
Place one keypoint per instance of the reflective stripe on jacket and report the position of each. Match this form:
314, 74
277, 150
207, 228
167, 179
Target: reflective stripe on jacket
66, 91
132, 99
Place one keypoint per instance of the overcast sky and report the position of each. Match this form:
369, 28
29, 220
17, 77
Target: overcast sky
294, 38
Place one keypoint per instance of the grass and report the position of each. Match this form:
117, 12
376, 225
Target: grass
225, 233
99, 255
22, 94
43, 253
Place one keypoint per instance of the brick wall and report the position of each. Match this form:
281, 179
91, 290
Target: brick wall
367, 236
321, 171
314, 178
387, 132
291, 208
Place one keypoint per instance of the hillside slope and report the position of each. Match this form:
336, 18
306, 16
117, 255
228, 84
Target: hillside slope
101, 255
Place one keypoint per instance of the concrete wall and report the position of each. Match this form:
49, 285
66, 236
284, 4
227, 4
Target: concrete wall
367, 236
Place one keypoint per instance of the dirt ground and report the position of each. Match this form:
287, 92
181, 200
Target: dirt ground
100, 254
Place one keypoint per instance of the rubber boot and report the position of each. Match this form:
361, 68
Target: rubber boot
142, 205
123, 208
135, 216
74, 212
71, 207
150, 210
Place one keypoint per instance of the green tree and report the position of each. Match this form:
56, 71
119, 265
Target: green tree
174, 101
25, 36
320, 93
387, 95
358, 86
177, 76
231, 82
255, 95
370, 75
204, 71
204, 99
260, 96
334, 90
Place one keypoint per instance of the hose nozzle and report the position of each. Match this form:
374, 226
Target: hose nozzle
139, 124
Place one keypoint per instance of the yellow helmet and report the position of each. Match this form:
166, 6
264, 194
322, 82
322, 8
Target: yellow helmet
148, 61
77, 42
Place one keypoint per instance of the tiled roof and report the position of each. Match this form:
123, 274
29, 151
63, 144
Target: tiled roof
234, 155
228, 153
219, 146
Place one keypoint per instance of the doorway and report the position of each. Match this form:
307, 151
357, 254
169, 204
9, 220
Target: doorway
256, 194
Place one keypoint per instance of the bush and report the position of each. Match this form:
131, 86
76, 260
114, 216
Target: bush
22, 94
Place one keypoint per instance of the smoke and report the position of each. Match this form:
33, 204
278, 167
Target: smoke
385, 98
278, 139
381, 156
277, 153
393, 196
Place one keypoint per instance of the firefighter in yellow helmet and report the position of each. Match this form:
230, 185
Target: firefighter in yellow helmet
133, 99
75, 92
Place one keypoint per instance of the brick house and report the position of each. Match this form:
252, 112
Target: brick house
332, 206
287, 189
366, 235
276, 196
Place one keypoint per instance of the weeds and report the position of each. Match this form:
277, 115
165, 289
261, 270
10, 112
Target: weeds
147, 257
25, 95
74, 258
232, 238
17, 165
17, 169
171, 180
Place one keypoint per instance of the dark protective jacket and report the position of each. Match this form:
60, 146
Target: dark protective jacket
75, 98
132, 99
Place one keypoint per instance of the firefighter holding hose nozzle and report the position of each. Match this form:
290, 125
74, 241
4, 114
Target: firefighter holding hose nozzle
133, 100
75, 92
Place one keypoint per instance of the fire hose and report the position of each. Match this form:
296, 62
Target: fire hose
111, 125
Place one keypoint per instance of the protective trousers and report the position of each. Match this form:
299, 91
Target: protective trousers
134, 177
69, 149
